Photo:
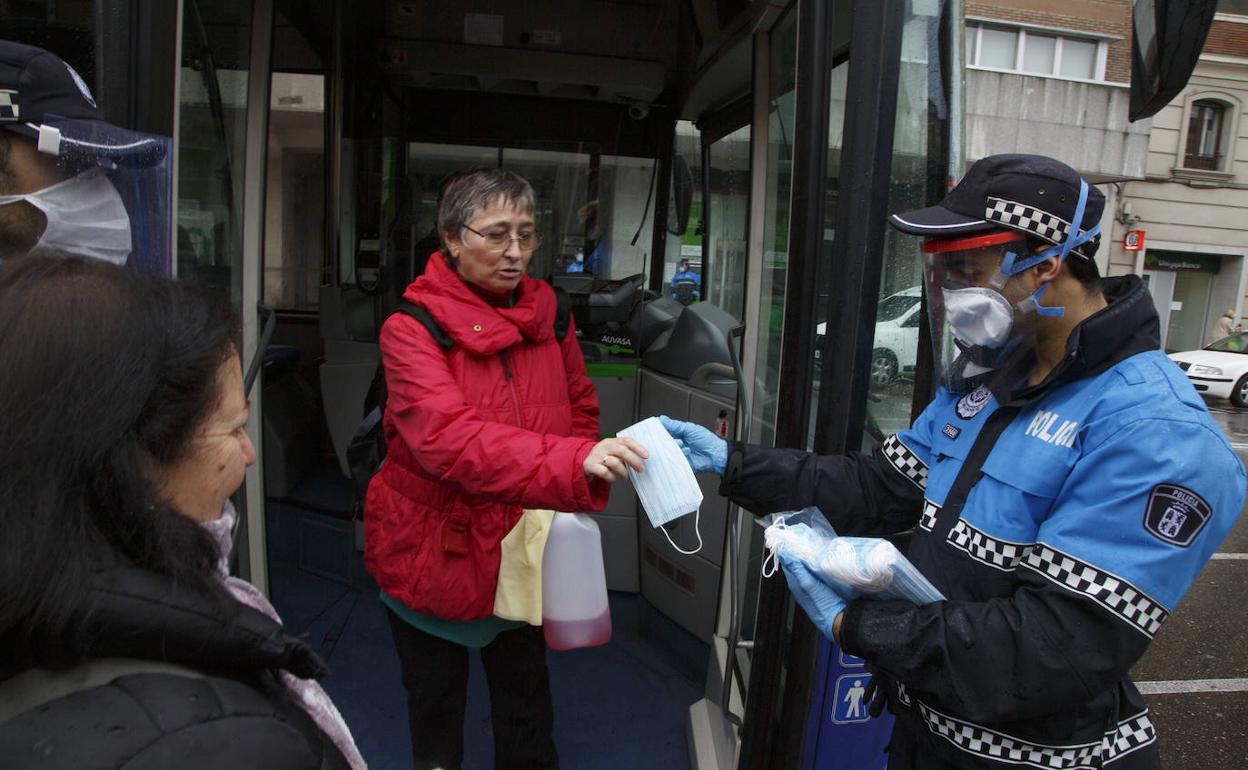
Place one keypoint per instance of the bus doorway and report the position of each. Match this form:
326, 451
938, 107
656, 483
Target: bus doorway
599, 156
663, 130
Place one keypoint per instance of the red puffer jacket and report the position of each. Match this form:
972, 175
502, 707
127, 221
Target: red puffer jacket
499, 422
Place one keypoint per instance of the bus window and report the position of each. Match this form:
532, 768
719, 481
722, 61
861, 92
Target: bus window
895, 349
727, 220
212, 120
685, 246
623, 223
566, 191
294, 229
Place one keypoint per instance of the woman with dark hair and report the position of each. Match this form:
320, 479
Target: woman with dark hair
489, 412
124, 642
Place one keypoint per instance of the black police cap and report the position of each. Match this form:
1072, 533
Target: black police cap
1032, 194
37, 86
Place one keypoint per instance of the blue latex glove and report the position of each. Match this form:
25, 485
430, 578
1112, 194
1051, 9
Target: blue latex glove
704, 450
821, 601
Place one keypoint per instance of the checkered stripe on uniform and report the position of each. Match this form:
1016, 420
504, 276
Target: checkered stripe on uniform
991, 744
9, 108
1022, 217
1001, 554
905, 461
928, 520
1124, 600
1133, 733
902, 695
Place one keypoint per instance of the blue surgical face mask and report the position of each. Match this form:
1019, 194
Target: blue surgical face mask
668, 489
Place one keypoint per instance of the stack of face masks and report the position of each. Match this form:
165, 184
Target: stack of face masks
667, 489
858, 566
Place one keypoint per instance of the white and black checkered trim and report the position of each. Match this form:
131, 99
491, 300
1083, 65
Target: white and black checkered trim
1124, 600
902, 695
1001, 554
1133, 733
10, 111
991, 744
905, 461
1019, 216
1130, 734
928, 520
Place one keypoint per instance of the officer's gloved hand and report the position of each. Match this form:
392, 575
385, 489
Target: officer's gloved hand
821, 601
704, 450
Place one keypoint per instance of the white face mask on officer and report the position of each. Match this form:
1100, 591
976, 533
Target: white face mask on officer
978, 316
85, 216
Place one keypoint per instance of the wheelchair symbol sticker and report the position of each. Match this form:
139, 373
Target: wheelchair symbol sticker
850, 702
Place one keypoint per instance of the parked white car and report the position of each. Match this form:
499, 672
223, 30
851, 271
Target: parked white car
896, 335
1219, 369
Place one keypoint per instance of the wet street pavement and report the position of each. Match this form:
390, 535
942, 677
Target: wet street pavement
1195, 673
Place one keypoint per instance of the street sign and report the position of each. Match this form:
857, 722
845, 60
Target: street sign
1133, 240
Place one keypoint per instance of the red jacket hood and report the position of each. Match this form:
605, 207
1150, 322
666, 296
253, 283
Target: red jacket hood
473, 323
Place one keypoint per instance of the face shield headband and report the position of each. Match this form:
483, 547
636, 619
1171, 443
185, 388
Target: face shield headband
118, 203
1012, 264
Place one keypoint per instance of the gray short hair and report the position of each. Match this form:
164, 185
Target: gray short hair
465, 193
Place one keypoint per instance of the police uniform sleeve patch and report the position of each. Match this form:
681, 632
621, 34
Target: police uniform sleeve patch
1175, 514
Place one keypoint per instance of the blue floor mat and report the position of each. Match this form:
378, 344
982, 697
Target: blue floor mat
622, 705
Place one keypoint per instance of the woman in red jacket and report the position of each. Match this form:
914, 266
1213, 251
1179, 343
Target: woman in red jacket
501, 419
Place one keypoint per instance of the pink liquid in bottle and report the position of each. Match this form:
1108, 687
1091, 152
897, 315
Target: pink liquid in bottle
571, 634
575, 612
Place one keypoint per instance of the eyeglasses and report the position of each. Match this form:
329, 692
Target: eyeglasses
499, 240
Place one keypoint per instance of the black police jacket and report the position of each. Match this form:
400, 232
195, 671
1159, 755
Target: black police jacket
1102, 495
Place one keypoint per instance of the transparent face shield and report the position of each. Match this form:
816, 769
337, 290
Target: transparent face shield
984, 318
116, 202
979, 326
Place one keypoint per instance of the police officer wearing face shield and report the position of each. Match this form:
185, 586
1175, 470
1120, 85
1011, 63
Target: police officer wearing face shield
63, 170
1065, 486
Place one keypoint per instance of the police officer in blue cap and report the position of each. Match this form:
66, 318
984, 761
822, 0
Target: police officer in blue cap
1065, 487
69, 181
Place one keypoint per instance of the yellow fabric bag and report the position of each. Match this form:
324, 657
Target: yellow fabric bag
519, 593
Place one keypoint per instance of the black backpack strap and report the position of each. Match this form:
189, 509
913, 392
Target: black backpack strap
420, 314
971, 470
563, 312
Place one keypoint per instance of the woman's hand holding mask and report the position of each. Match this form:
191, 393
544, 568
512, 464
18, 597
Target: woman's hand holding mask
611, 458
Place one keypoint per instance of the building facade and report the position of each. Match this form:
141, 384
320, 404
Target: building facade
1191, 207
1053, 78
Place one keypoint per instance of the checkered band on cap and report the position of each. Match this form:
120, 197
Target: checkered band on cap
905, 461
985, 743
1019, 216
1000, 554
1124, 600
9, 109
928, 520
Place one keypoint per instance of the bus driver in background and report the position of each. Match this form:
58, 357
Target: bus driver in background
59, 162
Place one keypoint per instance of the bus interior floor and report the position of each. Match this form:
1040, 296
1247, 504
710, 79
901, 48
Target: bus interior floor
622, 705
